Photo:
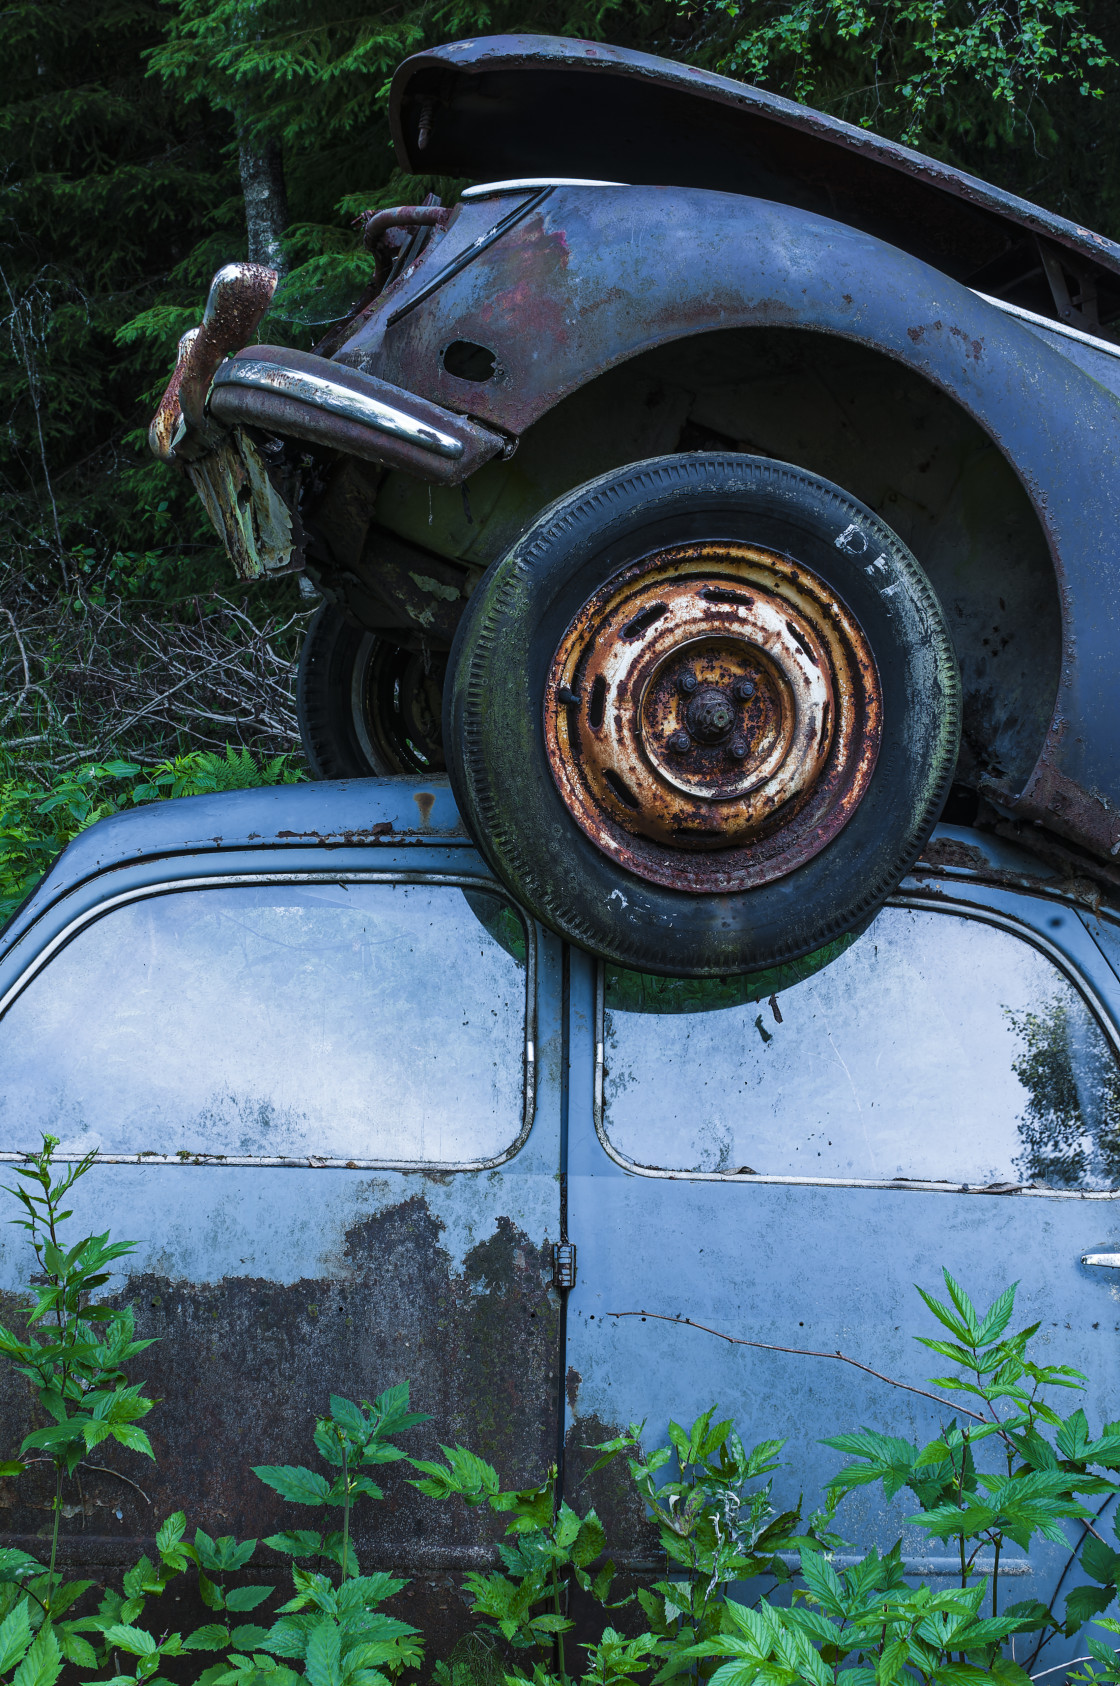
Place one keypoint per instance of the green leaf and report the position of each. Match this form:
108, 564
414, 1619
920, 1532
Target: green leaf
301, 1486
134, 1438
212, 1596
1100, 1561
17, 1565
43, 1663
134, 1640
171, 1532
348, 1416
74, 1647
209, 1638
296, 1542
1085, 1602
15, 1635
247, 1597
322, 1661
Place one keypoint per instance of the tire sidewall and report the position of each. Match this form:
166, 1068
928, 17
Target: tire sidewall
494, 718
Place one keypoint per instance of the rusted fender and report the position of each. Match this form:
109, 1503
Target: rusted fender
595, 275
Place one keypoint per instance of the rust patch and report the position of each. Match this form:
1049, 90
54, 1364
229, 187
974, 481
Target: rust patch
242, 1367
712, 716
240, 293
425, 801
1068, 808
948, 851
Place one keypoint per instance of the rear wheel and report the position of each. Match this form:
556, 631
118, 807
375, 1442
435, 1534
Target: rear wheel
367, 706
703, 716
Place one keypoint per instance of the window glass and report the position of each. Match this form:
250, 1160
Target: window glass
348, 1021
936, 1049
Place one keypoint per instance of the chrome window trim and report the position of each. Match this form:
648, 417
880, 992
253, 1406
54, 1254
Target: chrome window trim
1063, 329
529, 184
458, 881
938, 902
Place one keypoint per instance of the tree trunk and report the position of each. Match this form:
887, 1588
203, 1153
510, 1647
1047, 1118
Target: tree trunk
266, 200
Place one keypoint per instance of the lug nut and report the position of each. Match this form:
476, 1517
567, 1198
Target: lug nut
680, 742
738, 748
687, 682
565, 694
744, 689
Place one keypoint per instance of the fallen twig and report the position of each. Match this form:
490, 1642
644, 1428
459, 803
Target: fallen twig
805, 1352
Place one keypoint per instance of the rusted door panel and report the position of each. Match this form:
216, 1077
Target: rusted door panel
270, 1287
796, 1263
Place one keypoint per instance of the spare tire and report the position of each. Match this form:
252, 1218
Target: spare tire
703, 716
366, 706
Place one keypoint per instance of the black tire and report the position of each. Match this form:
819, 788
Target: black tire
495, 732
367, 707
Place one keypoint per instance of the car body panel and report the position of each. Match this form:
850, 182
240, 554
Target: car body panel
267, 1281
534, 105
271, 1283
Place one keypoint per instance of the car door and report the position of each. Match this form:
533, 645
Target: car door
785, 1170
317, 1103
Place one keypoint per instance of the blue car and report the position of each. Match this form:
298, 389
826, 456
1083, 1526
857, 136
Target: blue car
373, 1121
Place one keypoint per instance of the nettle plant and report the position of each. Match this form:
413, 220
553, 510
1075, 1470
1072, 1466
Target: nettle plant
1005, 1466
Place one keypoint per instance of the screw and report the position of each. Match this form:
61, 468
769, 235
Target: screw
681, 742
565, 694
738, 747
744, 688
687, 682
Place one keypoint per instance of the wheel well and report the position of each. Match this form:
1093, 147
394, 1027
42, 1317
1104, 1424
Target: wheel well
838, 409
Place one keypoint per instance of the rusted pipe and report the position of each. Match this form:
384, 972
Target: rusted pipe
165, 422
240, 293
375, 223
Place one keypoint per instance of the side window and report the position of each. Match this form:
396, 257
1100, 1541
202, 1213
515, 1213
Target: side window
936, 1049
355, 1021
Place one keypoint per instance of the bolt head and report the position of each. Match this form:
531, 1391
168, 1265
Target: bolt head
744, 689
738, 748
680, 742
687, 682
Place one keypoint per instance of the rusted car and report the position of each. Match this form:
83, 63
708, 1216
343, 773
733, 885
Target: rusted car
372, 1122
715, 490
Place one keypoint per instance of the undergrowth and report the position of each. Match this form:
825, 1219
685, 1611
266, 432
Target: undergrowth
750, 1593
39, 816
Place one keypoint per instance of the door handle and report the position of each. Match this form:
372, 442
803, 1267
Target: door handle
1102, 1261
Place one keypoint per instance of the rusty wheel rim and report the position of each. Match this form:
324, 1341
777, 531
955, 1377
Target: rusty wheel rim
712, 716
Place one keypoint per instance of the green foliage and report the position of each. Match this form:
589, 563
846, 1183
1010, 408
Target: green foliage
1007, 1466
915, 58
351, 1440
37, 821
108, 185
1070, 1128
717, 1526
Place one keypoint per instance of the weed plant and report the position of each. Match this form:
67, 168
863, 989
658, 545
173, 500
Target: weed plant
750, 1594
38, 819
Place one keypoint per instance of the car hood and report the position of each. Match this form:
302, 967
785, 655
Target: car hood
534, 105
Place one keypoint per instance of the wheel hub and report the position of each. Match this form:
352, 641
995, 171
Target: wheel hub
712, 716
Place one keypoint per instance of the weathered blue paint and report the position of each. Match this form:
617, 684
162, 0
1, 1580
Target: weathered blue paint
347, 1279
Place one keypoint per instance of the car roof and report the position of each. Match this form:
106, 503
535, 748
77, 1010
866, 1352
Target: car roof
344, 813
535, 105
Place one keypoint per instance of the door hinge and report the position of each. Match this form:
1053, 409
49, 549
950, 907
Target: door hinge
564, 1265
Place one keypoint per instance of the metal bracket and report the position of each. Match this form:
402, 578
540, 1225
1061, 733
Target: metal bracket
564, 1265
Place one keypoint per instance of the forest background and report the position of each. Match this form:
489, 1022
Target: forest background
147, 142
